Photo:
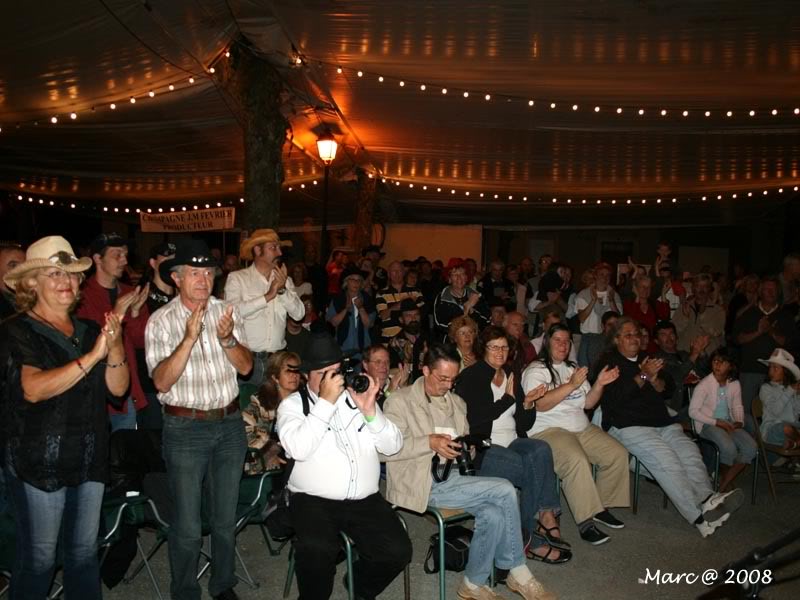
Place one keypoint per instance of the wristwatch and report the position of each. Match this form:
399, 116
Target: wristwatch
229, 344
643, 376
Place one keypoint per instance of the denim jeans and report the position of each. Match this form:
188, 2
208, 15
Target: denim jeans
497, 538
528, 464
737, 447
126, 420
751, 386
39, 517
674, 461
195, 450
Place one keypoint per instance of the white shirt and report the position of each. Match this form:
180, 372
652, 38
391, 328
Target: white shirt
593, 323
334, 447
209, 379
504, 427
264, 322
567, 414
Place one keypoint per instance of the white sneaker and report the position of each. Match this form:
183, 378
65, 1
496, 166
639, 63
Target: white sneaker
533, 590
706, 528
720, 504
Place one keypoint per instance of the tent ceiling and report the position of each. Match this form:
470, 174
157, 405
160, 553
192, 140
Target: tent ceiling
185, 144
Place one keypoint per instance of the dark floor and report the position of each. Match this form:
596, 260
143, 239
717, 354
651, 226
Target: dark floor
653, 539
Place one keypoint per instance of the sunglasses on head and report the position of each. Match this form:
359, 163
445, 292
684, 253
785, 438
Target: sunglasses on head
63, 258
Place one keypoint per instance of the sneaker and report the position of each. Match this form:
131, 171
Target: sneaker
609, 520
720, 504
706, 528
532, 590
479, 593
594, 536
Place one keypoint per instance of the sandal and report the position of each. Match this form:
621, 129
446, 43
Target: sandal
563, 556
553, 540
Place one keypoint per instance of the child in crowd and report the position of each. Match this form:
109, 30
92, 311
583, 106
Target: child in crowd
780, 397
718, 414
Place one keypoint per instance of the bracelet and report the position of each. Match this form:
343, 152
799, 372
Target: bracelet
80, 366
228, 345
119, 364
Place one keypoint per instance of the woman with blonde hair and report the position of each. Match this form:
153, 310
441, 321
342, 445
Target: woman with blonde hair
463, 332
59, 372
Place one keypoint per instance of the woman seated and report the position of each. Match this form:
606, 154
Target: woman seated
576, 443
281, 379
780, 397
718, 414
497, 409
61, 370
463, 332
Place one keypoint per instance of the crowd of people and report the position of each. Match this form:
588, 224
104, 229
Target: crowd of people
479, 391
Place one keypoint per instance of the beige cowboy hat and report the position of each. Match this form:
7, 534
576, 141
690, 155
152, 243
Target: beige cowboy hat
783, 358
260, 236
50, 251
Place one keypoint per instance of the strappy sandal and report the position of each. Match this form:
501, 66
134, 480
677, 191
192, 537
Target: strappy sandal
563, 556
552, 539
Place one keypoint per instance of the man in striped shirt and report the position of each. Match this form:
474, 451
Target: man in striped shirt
194, 351
388, 300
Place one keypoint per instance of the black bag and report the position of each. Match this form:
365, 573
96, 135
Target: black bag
456, 550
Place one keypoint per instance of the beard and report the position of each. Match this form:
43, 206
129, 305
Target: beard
412, 328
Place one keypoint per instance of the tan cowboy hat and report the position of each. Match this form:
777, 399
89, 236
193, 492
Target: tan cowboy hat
260, 236
50, 251
783, 358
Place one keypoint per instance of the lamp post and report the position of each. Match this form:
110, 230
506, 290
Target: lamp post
326, 146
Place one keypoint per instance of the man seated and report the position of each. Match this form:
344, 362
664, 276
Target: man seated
411, 343
376, 362
635, 413
430, 418
684, 368
334, 436
497, 312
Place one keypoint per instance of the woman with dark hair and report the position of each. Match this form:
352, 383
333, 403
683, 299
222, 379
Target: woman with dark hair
59, 371
281, 379
576, 443
497, 409
718, 414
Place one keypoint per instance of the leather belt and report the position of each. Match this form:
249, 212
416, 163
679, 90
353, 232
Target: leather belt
214, 414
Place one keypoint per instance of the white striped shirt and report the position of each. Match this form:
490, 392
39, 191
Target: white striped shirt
209, 379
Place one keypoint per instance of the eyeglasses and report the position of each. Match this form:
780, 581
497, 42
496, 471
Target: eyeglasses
440, 379
495, 348
60, 275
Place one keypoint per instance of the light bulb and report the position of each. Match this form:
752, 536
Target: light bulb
663, 112
619, 110
708, 113
54, 120
530, 102
552, 105
380, 78
191, 79
151, 93
171, 87
212, 70
444, 90
360, 73
774, 112
466, 94
73, 116
596, 109
641, 111
227, 54
133, 100
752, 113
487, 97
339, 70
422, 87
574, 107
685, 113
729, 113
402, 84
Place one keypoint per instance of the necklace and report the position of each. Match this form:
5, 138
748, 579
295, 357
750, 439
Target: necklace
72, 339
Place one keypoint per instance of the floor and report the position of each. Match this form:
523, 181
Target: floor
655, 541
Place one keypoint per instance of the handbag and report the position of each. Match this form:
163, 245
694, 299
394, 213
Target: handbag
456, 550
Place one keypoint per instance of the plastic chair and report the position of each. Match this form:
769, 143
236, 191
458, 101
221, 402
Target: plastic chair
757, 411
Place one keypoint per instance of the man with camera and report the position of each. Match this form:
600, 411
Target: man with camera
431, 418
333, 436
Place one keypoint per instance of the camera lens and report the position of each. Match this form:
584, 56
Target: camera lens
360, 383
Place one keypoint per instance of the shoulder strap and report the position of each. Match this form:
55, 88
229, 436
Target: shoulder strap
306, 400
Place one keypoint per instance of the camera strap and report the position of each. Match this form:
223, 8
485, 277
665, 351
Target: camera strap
440, 473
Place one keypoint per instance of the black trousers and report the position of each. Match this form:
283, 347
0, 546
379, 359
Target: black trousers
383, 545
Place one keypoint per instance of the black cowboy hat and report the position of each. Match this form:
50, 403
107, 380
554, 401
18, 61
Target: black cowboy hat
192, 252
350, 271
322, 351
373, 248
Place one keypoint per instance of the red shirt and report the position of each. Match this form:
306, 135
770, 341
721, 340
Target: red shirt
654, 314
95, 303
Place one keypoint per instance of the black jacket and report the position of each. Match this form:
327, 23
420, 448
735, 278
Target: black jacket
474, 386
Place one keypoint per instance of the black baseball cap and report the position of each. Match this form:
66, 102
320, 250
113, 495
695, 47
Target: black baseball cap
107, 240
163, 249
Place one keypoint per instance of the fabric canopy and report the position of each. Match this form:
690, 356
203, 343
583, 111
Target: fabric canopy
506, 112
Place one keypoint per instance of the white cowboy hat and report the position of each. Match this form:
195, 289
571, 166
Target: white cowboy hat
50, 251
783, 358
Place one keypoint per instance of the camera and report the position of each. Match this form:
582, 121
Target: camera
358, 381
464, 458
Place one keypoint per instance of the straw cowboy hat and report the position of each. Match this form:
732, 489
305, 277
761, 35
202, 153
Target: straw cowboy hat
50, 251
260, 236
783, 358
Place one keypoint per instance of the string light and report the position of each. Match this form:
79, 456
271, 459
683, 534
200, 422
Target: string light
73, 116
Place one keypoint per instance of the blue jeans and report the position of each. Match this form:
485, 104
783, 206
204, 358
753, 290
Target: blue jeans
751, 386
39, 517
126, 420
528, 464
674, 461
737, 447
195, 450
497, 538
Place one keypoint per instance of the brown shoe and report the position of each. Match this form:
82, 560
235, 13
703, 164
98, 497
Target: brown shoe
533, 590
480, 593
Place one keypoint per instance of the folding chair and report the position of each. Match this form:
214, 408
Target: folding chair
142, 513
763, 448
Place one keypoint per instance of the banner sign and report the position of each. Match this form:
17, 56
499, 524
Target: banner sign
211, 219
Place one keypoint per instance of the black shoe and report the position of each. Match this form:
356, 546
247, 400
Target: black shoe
594, 536
500, 576
228, 594
344, 583
609, 520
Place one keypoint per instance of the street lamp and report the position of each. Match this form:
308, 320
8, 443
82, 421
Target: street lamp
326, 146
